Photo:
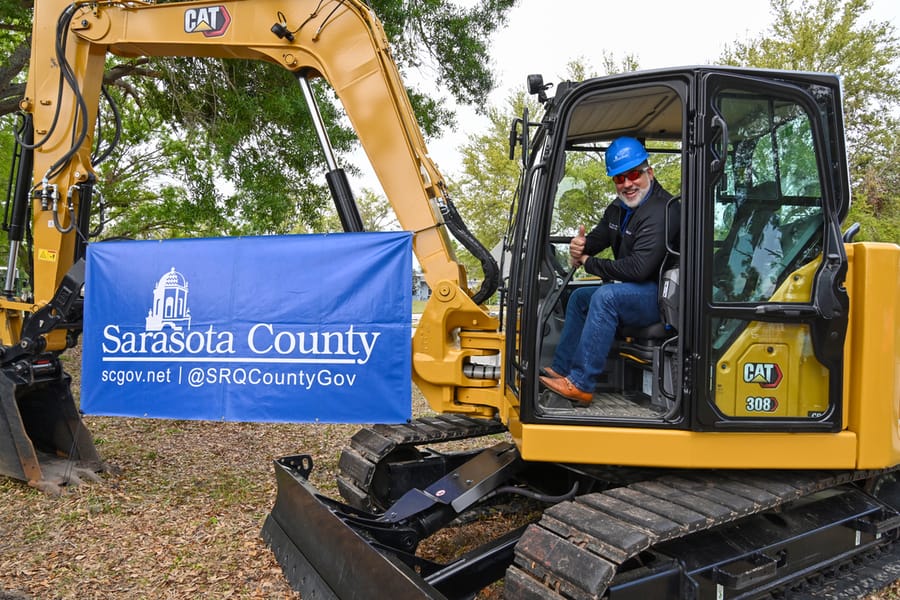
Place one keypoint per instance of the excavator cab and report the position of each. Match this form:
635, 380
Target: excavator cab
754, 252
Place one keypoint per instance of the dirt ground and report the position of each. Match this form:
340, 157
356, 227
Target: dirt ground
181, 521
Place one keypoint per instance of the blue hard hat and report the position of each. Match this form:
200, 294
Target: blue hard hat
624, 154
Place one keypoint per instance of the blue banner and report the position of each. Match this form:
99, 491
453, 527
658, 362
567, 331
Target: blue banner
299, 328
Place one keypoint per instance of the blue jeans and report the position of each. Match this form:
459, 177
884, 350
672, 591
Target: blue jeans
592, 316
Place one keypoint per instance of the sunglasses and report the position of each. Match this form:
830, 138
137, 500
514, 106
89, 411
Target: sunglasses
632, 175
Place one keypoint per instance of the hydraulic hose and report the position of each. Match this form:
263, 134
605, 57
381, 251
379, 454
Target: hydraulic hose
511, 489
488, 265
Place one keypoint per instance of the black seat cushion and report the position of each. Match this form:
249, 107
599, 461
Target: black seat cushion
657, 331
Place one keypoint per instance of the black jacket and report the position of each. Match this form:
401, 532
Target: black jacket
641, 249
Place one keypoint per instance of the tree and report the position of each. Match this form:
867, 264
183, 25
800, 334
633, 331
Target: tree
830, 36
237, 158
15, 46
876, 204
374, 209
442, 36
214, 147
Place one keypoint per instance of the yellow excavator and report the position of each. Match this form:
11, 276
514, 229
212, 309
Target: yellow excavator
746, 446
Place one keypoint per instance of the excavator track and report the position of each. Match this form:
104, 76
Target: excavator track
579, 546
372, 447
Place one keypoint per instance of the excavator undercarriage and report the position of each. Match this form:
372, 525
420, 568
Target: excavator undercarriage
636, 533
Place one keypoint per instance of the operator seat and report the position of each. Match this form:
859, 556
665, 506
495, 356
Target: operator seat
668, 281
651, 350
640, 341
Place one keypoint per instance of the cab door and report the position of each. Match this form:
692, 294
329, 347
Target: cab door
772, 310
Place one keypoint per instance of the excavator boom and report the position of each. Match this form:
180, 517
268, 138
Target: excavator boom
341, 42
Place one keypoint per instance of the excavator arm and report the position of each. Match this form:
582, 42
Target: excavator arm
340, 41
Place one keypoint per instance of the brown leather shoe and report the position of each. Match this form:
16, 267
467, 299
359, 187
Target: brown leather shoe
567, 389
548, 372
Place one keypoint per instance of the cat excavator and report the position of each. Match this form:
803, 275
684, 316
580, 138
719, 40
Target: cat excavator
745, 446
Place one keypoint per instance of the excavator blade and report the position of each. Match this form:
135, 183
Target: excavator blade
321, 556
42, 438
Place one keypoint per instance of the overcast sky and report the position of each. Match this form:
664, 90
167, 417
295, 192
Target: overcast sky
543, 36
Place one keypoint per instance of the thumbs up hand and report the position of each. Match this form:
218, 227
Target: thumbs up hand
576, 248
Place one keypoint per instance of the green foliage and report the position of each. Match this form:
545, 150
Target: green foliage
610, 64
447, 38
876, 204
876, 225
233, 143
14, 32
832, 36
584, 194
374, 209
7, 132
16, 21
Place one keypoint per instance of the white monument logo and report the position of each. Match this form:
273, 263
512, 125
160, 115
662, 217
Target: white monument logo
170, 307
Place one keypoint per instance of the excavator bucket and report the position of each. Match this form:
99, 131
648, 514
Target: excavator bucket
42, 438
